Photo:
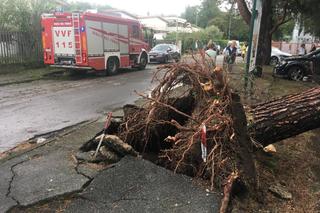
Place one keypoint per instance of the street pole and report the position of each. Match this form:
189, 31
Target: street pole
197, 17
229, 30
229, 27
177, 32
253, 16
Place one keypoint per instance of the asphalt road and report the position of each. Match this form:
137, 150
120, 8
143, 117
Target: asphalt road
39, 107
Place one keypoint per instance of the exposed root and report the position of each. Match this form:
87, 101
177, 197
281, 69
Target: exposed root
173, 127
227, 192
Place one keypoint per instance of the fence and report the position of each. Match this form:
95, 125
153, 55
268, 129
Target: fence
20, 48
291, 47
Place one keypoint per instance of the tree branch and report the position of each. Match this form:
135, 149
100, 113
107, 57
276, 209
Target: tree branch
244, 11
282, 20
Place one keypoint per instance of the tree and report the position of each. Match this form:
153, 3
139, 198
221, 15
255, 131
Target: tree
208, 14
191, 14
266, 26
274, 15
208, 10
284, 32
309, 16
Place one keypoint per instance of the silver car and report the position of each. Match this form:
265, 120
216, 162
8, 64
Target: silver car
277, 55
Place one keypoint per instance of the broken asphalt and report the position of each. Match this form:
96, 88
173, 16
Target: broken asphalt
48, 177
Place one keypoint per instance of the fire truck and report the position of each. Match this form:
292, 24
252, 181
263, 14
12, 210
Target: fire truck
92, 41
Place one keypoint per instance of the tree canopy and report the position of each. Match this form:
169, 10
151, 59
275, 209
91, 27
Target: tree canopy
24, 15
275, 15
209, 14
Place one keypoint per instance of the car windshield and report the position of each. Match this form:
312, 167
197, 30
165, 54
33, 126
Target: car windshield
160, 48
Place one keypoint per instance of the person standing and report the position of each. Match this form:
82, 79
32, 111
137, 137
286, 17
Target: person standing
230, 55
313, 47
302, 50
212, 53
244, 50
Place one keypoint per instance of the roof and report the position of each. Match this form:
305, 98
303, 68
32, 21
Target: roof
175, 18
119, 12
159, 17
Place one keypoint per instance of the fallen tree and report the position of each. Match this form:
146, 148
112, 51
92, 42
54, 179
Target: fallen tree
200, 129
284, 117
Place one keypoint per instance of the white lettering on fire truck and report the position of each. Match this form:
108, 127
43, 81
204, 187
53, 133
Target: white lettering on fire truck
63, 40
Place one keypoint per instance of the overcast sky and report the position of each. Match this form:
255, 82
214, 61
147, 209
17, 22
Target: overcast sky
154, 7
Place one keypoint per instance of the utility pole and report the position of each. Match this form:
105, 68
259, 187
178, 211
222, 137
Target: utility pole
230, 19
253, 39
229, 28
197, 14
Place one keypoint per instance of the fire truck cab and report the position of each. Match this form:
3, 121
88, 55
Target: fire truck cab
86, 41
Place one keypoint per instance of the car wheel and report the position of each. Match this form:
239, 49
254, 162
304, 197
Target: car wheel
143, 61
296, 73
274, 61
112, 66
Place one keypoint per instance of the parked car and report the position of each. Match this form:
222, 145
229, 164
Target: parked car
163, 53
277, 55
297, 67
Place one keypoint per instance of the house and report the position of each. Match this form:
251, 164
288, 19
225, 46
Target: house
160, 25
167, 24
157, 23
177, 24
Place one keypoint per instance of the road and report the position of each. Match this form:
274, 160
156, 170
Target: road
39, 107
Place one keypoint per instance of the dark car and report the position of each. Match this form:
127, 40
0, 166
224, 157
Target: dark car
297, 67
163, 53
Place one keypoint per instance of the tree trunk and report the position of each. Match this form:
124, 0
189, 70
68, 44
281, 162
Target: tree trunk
285, 117
265, 37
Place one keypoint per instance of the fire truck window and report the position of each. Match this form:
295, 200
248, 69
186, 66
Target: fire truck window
135, 31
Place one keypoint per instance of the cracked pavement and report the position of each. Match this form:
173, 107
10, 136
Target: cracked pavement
45, 172
47, 178
136, 185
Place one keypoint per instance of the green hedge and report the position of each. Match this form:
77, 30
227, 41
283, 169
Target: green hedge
203, 37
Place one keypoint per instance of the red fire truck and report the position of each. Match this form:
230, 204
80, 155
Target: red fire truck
86, 41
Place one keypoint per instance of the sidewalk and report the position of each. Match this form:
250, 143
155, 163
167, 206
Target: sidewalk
48, 177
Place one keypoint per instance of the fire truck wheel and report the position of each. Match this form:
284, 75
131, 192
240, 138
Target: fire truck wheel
112, 66
143, 62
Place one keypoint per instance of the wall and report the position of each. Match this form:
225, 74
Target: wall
291, 47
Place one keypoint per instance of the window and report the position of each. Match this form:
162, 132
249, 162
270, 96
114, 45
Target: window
135, 31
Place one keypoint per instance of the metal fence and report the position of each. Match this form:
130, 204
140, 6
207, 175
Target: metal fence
20, 48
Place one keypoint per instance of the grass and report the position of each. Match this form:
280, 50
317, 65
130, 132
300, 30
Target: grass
17, 74
296, 162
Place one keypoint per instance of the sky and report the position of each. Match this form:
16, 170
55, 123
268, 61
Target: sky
154, 7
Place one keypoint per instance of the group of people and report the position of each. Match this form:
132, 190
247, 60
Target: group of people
230, 53
302, 49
